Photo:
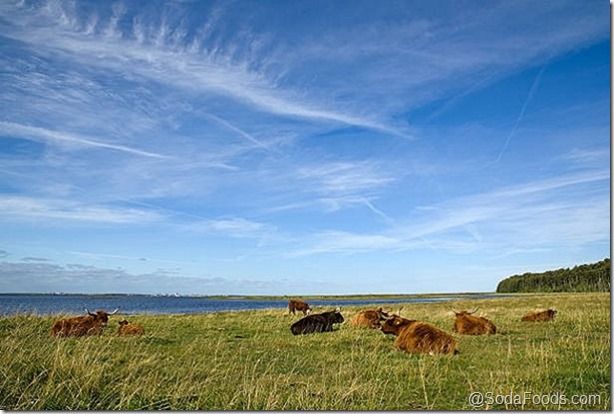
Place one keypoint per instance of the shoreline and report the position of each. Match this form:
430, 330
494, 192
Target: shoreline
319, 304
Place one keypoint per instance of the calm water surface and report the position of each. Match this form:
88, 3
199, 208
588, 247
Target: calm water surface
138, 304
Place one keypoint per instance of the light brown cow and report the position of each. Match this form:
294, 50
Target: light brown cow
129, 329
298, 305
419, 337
90, 324
540, 316
467, 324
370, 318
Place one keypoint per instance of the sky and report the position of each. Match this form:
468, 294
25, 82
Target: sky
303, 147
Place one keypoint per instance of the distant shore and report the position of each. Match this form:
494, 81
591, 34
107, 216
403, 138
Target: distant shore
131, 304
261, 297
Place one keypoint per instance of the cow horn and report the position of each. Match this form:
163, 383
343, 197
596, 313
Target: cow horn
474, 311
338, 309
114, 312
89, 313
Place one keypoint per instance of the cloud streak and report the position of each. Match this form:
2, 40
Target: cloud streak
55, 137
35, 208
519, 212
530, 95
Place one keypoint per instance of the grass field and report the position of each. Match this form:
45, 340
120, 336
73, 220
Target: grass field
250, 360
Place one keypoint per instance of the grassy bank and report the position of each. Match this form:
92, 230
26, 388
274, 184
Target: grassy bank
249, 360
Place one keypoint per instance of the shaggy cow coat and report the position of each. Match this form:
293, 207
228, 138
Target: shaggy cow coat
90, 324
298, 305
537, 316
320, 322
129, 329
467, 324
369, 318
419, 337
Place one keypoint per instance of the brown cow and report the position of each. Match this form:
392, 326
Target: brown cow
369, 318
129, 329
90, 324
467, 324
298, 305
540, 316
419, 337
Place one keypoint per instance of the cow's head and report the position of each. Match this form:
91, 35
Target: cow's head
101, 316
393, 324
382, 315
460, 314
337, 317
552, 312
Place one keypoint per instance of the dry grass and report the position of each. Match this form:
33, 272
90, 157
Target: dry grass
250, 360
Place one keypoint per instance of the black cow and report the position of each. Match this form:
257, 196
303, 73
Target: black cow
319, 322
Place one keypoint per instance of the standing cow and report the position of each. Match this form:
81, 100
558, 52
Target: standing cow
419, 337
90, 324
467, 324
320, 322
540, 316
370, 318
298, 305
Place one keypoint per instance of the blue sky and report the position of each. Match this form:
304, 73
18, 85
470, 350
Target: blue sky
305, 147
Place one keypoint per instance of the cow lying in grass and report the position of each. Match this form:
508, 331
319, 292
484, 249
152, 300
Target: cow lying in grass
369, 318
129, 329
540, 316
319, 322
90, 324
419, 337
467, 324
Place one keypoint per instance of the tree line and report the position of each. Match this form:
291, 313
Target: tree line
593, 277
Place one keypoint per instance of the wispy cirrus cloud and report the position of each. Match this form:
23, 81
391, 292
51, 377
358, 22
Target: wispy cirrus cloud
235, 227
164, 54
14, 207
522, 215
68, 139
346, 177
269, 134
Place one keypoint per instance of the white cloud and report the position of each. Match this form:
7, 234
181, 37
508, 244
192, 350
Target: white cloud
169, 63
36, 208
72, 140
346, 177
235, 227
515, 217
52, 277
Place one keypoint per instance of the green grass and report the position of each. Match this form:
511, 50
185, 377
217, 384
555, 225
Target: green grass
250, 360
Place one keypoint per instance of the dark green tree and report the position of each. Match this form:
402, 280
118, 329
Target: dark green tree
594, 277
